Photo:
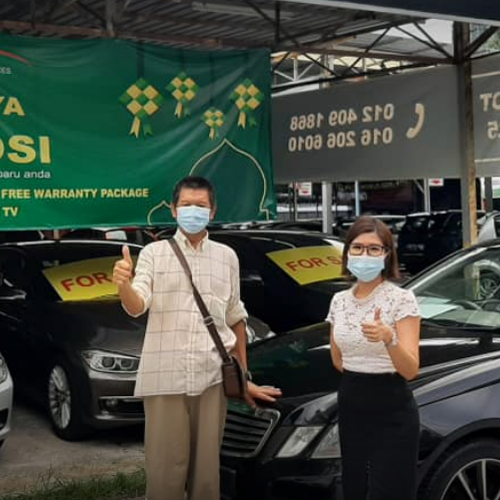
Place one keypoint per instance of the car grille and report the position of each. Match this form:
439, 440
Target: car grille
245, 433
4, 415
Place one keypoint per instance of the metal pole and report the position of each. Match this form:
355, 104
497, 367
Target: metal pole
427, 196
461, 35
326, 199
488, 194
295, 201
357, 200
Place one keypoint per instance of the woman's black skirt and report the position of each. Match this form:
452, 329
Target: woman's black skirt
379, 432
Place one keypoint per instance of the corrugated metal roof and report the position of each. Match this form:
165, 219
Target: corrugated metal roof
194, 24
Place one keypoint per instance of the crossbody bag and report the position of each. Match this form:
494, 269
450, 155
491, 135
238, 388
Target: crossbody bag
233, 376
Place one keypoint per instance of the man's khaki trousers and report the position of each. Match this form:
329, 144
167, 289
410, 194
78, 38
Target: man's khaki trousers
183, 436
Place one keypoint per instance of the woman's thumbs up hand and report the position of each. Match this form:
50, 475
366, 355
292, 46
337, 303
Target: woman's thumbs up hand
377, 330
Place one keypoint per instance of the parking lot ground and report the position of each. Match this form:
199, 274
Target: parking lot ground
33, 455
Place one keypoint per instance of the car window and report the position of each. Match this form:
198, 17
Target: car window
463, 291
497, 225
250, 260
13, 269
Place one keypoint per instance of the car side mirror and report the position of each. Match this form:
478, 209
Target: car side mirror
251, 336
9, 293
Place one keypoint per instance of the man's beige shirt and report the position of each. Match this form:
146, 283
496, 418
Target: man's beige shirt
179, 356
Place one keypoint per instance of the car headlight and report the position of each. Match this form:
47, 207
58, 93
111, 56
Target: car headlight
297, 442
110, 362
329, 446
4, 371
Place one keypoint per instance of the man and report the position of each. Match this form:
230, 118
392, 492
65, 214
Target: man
179, 375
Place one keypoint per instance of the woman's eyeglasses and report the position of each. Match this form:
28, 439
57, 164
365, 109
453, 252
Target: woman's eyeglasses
372, 250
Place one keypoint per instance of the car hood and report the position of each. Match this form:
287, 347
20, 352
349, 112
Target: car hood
97, 324
460, 376
433, 384
298, 362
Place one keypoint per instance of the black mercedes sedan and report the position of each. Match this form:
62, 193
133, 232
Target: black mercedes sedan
290, 450
66, 339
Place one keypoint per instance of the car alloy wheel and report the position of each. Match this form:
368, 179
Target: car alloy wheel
469, 471
65, 410
59, 397
478, 479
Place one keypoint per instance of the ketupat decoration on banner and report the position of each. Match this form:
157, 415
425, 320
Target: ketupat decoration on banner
247, 97
214, 119
183, 88
142, 100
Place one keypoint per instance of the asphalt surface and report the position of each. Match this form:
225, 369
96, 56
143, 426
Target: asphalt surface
33, 455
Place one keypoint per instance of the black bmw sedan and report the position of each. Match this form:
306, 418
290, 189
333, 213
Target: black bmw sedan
66, 339
69, 344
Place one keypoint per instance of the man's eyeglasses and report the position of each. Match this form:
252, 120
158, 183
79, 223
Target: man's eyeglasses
371, 250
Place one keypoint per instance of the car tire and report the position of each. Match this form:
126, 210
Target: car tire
64, 409
2, 442
474, 466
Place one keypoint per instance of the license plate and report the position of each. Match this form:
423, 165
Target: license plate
415, 247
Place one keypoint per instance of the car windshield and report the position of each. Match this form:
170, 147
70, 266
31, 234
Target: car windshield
463, 291
438, 221
416, 224
79, 272
302, 257
306, 261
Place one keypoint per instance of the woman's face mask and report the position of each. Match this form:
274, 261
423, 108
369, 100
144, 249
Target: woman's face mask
365, 267
193, 219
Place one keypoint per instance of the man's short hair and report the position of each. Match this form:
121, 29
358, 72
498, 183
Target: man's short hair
194, 182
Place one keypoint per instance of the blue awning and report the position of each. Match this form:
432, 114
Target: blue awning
473, 11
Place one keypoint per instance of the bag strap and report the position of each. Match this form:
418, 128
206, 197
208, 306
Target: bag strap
207, 318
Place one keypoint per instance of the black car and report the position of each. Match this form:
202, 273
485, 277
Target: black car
425, 238
69, 344
339, 227
287, 278
65, 336
290, 450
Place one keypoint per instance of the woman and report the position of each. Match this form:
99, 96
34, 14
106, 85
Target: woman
374, 343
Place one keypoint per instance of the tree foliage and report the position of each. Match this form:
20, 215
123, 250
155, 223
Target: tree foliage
494, 42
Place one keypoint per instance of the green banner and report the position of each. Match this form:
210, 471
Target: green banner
97, 133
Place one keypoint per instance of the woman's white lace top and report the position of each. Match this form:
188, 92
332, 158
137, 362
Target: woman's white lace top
347, 313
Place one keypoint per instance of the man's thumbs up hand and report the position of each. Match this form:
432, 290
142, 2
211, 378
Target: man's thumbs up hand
122, 271
126, 254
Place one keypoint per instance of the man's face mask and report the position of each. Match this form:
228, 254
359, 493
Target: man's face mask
193, 219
